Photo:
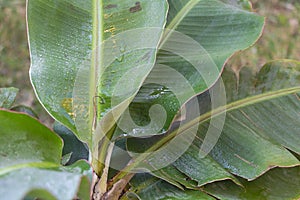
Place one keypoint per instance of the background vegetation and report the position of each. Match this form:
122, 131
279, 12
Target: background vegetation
280, 40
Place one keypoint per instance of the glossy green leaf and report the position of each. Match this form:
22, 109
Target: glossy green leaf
52, 183
43, 194
7, 97
77, 57
30, 161
72, 146
254, 139
175, 177
143, 187
191, 171
84, 57
190, 60
26, 143
278, 184
51, 49
255, 111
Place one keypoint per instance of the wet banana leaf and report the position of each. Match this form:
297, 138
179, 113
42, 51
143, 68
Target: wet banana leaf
256, 135
200, 36
277, 184
30, 162
81, 51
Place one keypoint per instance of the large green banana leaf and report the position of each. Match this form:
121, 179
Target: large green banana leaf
190, 60
260, 132
78, 58
145, 186
30, 162
84, 63
278, 184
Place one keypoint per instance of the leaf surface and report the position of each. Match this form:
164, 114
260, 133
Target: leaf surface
78, 58
26, 142
277, 184
143, 186
51, 183
256, 106
190, 60
30, 161
72, 146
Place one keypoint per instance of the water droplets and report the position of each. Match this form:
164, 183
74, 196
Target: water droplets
159, 91
122, 50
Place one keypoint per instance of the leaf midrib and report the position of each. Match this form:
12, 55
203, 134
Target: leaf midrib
182, 13
177, 20
97, 55
44, 165
229, 107
237, 105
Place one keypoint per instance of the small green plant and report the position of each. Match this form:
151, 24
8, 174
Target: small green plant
145, 108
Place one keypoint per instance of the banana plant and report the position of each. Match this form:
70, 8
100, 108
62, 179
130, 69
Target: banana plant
142, 85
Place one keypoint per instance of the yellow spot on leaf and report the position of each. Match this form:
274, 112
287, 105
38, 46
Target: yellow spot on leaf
106, 16
111, 30
66, 103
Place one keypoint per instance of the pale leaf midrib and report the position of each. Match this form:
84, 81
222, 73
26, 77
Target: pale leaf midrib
44, 165
177, 20
97, 54
229, 107
182, 13
242, 103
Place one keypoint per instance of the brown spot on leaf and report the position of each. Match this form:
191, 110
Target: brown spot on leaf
110, 6
136, 8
